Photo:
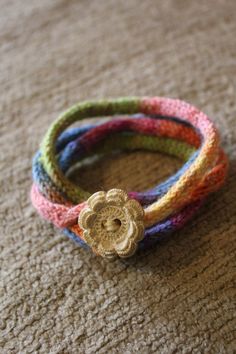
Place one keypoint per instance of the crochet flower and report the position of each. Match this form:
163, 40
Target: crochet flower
112, 223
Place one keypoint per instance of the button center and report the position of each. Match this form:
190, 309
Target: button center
111, 225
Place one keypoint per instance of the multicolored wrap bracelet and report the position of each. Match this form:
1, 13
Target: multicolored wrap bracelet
116, 223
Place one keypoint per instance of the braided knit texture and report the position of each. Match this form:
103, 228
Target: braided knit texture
157, 124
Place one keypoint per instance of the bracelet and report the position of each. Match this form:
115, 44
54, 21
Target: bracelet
116, 223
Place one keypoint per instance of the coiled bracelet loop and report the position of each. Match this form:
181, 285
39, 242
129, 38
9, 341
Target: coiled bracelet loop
116, 222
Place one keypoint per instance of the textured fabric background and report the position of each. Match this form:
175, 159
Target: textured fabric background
56, 297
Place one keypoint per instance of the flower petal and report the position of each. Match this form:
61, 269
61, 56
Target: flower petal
141, 229
116, 196
87, 236
107, 252
135, 231
135, 209
86, 218
126, 248
97, 200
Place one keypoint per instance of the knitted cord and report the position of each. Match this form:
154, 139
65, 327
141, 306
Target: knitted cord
167, 206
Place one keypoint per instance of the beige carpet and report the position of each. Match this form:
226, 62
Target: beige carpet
56, 297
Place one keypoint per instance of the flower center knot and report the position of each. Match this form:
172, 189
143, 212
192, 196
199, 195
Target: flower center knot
111, 225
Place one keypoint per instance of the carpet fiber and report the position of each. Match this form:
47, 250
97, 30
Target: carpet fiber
55, 297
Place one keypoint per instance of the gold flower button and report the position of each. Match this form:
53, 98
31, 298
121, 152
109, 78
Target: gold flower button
112, 223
